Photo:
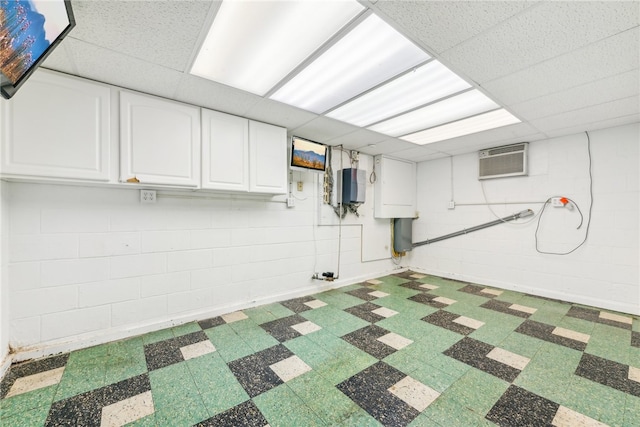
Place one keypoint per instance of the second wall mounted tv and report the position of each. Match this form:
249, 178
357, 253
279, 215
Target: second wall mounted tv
29, 31
308, 155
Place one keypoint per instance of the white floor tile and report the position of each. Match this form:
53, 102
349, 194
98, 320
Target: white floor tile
616, 317
375, 282
523, 308
467, 321
128, 410
566, 417
290, 368
414, 393
234, 317
306, 327
428, 286
316, 303
36, 381
573, 335
394, 340
384, 312
491, 291
444, 300
198, 349
508, 358
634, 374
417, 276
378, 294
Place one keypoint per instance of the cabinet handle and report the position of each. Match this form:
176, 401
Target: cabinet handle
134, 179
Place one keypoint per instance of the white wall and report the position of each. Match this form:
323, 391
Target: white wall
604, 272
91, 264
4, 286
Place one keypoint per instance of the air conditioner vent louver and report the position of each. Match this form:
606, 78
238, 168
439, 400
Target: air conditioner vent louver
499, 162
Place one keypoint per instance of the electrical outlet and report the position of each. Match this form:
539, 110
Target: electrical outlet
147, 196
300, 185
451, 205
291, 202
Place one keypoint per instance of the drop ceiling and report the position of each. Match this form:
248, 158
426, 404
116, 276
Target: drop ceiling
560, 67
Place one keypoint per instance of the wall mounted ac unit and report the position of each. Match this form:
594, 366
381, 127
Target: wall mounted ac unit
499, 162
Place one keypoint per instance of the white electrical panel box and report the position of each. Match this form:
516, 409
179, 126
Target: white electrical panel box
395, 188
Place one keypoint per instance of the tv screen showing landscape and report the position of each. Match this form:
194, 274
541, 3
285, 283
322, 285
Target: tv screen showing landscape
308, 155
29, 31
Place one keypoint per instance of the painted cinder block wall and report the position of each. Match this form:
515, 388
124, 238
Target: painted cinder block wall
87, 265
604, 272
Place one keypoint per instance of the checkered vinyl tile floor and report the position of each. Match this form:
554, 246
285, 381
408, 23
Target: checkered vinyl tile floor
402, 350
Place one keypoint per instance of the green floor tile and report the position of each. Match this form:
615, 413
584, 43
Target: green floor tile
228, 343
185, 415
594, 400
299, 416
360, 419
259, 315
339, 300
185, 329
432, 377
447, 411
26, 418
521, 344
157, 336
277, 400
310, 352
477, 390
277, 310
632, 411
81, 380
174, 387
22, 403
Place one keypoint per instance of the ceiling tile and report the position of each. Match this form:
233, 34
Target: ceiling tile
163, 32
600, 124
538, 34
585, 116
215, 96
387, 146
323, 129
615, 55
414, 153
115, 68
357, 139
280, 114
588, 94
61, 58
440, 25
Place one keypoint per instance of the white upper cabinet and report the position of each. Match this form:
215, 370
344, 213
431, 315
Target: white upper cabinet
159, 141
242, 155
267, 158
225, 151
57, 126
395, 188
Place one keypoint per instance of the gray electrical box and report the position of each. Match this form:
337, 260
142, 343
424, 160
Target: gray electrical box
354, 185
402, 229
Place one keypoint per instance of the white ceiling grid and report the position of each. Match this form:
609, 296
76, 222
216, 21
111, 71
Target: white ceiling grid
560, 66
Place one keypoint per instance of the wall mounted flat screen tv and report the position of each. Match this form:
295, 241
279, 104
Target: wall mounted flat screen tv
308, 155
29, 31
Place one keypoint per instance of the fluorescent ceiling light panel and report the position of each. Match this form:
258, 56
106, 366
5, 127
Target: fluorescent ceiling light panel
253, 45
486, 121
418, 87
457, 107
368, 55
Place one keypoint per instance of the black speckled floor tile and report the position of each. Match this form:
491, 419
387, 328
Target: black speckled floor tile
416, 286
428, 299
444, 319
519, 408
167, 352
363, 293
211, 323
86, 409
607, 372
474, 353
405, 274
245, 414
635, 339
253, 372
369, 389
503, 307
365, 312
30, 368
595, 316
476, 290
297, 305
281, 329
545, 332
366, 339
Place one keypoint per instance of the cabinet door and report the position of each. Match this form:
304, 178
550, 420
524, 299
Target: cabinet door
267, 158
225, 151
159, 141
57, 126
395, 189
